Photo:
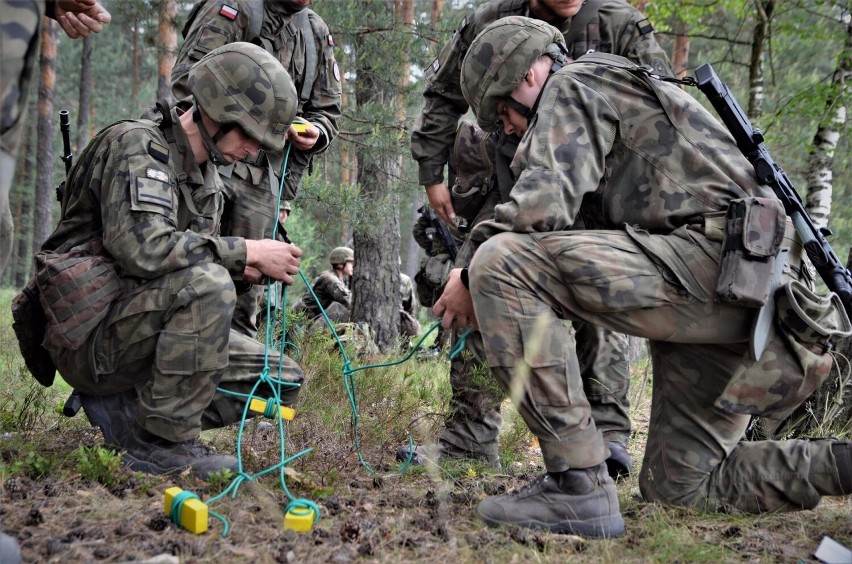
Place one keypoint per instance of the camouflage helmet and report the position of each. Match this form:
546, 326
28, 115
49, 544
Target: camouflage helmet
498, 59
242, 84
341, 255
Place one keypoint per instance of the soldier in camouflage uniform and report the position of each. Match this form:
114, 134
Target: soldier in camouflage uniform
300, 39
610, 26
331, 287
408, 325
651, 174
19, 40
140, 289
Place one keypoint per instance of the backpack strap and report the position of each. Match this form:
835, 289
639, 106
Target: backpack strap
301, 20
582, 21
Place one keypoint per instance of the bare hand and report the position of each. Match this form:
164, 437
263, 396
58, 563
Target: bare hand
79, 18
455, 306
276, 259
440, 201
304, 141
253, 276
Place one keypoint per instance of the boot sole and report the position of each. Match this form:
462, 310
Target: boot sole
601, 528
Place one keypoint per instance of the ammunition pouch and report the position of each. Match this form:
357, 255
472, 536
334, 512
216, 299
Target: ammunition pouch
76, 289
798, 360
753, 235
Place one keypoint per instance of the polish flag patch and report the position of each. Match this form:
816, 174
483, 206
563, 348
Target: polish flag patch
229, 12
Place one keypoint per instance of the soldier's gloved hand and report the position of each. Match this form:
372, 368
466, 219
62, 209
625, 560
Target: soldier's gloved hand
455, 306
276, 259
440, 201
79, 18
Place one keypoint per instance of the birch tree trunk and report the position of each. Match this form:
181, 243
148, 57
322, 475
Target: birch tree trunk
764, 10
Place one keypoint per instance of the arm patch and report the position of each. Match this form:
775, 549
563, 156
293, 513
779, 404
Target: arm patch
159, 152
154, 191
644, 26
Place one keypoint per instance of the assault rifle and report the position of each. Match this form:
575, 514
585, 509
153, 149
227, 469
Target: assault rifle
441, 230
65, 128
750, 141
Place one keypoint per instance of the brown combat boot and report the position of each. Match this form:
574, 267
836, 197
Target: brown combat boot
580, 502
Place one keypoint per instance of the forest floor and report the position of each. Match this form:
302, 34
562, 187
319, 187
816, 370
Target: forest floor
421, 515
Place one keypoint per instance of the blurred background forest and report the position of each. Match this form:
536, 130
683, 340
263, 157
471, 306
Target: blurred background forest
788, 63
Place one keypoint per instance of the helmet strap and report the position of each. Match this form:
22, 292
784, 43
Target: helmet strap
216, 156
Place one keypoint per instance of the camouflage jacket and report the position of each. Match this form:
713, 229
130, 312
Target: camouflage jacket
283, 35
328, 288
618, 28
19, 40
410, 303
156, 210
618, 151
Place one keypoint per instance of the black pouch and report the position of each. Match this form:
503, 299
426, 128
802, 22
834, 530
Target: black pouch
754, 231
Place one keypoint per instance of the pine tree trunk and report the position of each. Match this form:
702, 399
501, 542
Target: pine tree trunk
167, 41
44, 172
680, 57
85, 95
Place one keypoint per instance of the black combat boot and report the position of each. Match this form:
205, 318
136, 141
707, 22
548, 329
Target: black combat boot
146, 452
842, 451
114, 414
581, 502
619, 462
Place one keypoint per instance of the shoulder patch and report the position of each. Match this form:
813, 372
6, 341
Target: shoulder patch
644, 26
159, 152
330, 40
229, 12
336, 71
436, 64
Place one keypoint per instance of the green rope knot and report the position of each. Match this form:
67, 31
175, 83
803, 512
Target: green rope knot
177, 505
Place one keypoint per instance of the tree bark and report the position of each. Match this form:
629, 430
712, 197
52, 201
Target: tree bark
375, 284
820, 175
44, 172
764, 10
85, 95
680, 56
167, 41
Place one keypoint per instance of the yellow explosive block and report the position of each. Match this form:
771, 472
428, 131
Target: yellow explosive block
193, 512
300, 519
301, 126
259, 406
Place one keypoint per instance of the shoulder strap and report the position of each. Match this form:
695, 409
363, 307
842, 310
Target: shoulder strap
301, 20
581, 20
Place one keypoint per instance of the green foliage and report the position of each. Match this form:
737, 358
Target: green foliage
220, 480
34, 466
100, 464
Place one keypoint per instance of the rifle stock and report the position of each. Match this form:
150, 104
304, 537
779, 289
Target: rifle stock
751, 143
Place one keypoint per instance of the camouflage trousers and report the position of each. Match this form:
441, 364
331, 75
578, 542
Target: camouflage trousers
171, 339
7, 226
251, 212
525, 287
474, 421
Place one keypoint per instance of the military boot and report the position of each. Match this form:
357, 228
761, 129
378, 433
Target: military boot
114, 414
581, 502
146, 452
619, 462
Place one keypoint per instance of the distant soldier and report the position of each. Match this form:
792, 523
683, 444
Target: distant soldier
137, 282
19, 41
332, 288
610, 26
301, 41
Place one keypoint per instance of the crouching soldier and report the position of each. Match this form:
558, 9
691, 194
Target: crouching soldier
138, 286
